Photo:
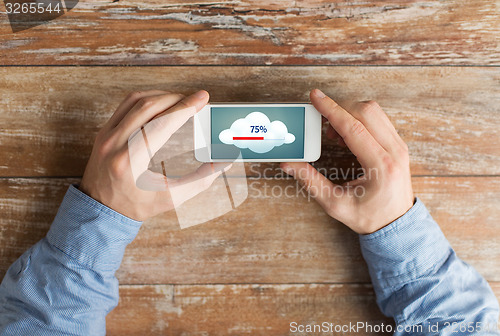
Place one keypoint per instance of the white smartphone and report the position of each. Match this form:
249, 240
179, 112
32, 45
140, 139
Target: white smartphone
252, 132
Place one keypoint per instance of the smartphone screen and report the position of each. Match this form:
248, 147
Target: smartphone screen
270, 132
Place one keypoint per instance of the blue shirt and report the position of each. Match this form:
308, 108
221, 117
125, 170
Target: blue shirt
66, 285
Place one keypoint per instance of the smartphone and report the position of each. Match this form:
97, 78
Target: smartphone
254, 132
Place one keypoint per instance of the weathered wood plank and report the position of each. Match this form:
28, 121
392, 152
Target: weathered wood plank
240, 309
268, 239
449, 117
262, 32
244, 309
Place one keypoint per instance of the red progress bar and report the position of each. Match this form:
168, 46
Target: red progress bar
248, 138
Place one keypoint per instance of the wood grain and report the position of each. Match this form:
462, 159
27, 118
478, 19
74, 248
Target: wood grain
240, 309
276, 258
449, 117
135, 32
243, 309
301, 244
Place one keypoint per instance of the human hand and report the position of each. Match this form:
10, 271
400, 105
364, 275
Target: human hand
119, 161
384, 193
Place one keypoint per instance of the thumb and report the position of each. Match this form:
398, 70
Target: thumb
319, 187
192, 184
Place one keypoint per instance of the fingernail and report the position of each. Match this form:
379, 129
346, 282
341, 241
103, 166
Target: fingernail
201, 94
318, 93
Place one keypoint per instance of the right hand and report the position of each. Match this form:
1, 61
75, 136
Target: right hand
384, 193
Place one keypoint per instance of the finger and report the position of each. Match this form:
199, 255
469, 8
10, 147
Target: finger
377, 123
192, 184
373, 106
391, 125
319, 187
152, 181
199, 175
355, 135
128, 103
144, 110
144, 142
157, 132
198, 100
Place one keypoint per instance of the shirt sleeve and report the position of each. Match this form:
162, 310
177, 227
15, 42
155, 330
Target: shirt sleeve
65, 284
420, 282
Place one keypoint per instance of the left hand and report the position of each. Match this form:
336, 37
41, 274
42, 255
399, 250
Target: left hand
119, 159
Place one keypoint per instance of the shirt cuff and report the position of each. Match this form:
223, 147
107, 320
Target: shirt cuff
90, 232
410, 247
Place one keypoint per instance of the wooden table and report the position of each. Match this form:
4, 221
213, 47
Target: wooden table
433, 67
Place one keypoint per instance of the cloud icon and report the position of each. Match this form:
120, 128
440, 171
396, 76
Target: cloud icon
257, 133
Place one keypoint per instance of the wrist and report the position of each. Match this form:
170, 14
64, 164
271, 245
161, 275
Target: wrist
413, 239
102, 232
409, 205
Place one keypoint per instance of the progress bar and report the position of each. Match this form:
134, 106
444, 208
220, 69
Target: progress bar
248, 138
